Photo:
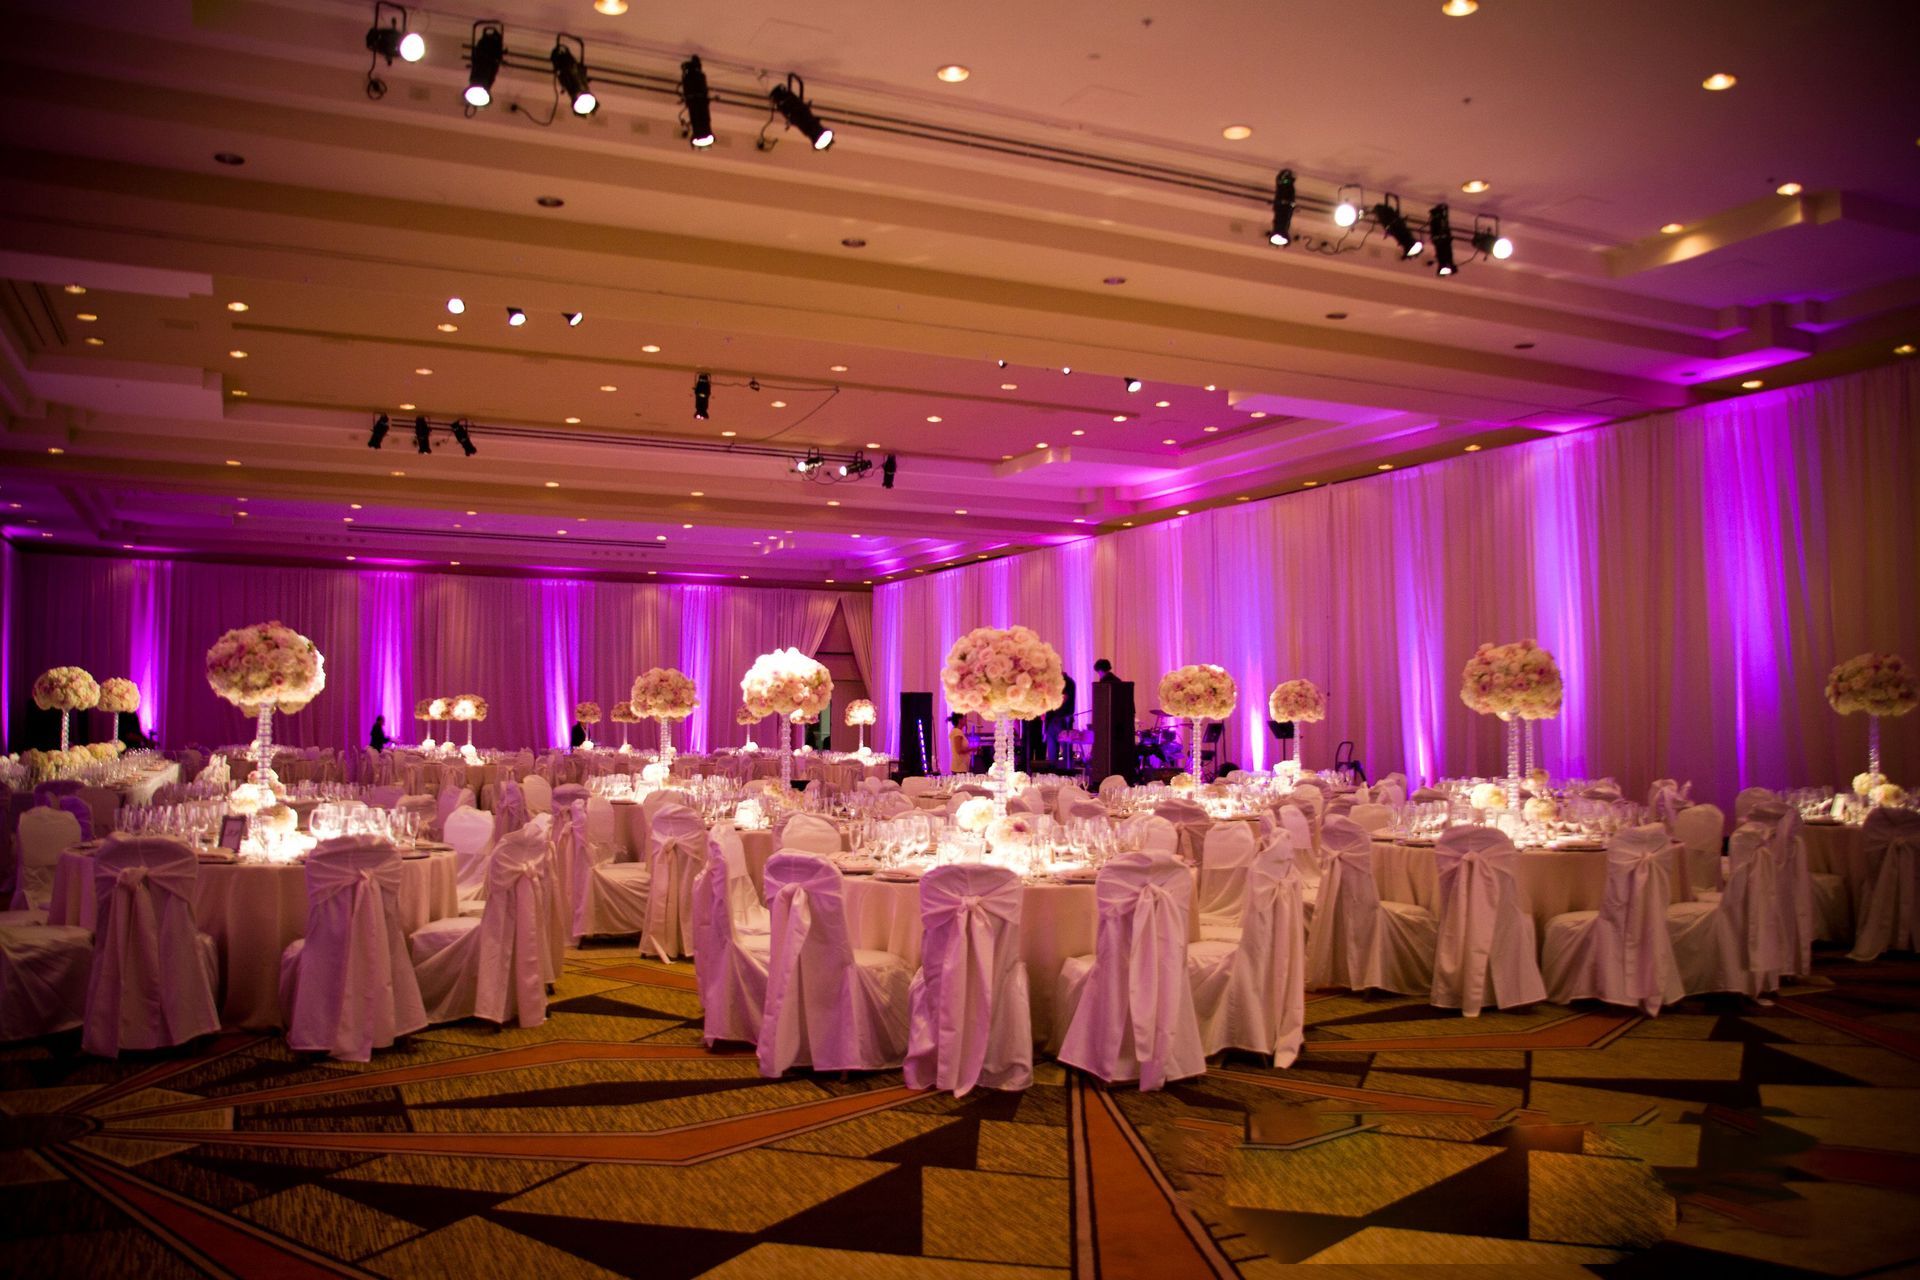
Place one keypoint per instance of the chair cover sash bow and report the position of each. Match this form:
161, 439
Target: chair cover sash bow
970, 919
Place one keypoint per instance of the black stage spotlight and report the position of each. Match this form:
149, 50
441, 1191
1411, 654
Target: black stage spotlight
702, 396
570, 73
1283, 202
516, 317
379, 436
698, 102
1440, 230
1488, 240
855, 467
887, 469
573, 318
790, 100
1387, 214
1133, 384
394, 40
422, 435
489, 50
461, 437
810, 464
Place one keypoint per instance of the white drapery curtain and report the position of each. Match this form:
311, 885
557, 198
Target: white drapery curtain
1696, 574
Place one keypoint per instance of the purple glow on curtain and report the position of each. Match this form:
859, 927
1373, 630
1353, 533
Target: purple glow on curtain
884, 671
1565, 541
560, 624
386, 624
148, 626
695, 661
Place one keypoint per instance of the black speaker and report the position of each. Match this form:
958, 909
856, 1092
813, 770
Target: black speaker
917, 734
1113, 733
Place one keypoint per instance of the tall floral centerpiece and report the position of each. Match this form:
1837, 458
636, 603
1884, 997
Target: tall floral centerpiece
1297, 702
624, 715
66, 690
121, 696
664, 694
1004, 674
746, 717
588, 713
786, 683
471, 708
1880, 684
1198, 692
262, 669
860, 714
1518, 681
423, 710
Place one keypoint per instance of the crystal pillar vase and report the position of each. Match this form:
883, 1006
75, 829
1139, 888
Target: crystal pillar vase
263, 774
1527, 741
63, 728
1873, 750
1513, 763
1002, 766
786, 756
469, 733
1299, 735
666, 744
863, 737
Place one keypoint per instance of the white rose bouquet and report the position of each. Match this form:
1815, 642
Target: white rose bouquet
1864, 783
468, 706
587, 713
663, 693
1300, 701
861, 712
623, 713
65, 689
744, 715
1888, 793
786, 682
1508, 680
1880, 684
440, 709
975, 814
1198, 691
267, 664
1009, 674
118, 694
1489, 795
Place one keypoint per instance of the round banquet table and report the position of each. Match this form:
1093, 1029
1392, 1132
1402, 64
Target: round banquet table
1552, 881
252, 911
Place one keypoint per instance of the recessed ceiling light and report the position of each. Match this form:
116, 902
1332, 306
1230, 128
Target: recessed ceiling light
473, 513
343, 519
75, 288
553, 484
55, 449
1163, 404
1310, 484
236, 306
86, 317
1041, 445
1753, 384
561, 532
1077, 431
698, 493
448, 328
873, 444
1904, 349
1673, 228
1237, 132
651, 349
1211, 387
612, 8
1473, 448
1718, 81
743, 577
425, 373
409, 407
933, 417
1385, 466
456, 306
688, 526
1169, 440
238, 393
952, 73
96, 342
354, 506
573, 422
1788, 189
1474, 186
833, 502
1119, 417
1126, 524
836, 368
1079, 519
1183, 512
658, 537
1209, 430
779, 404
959, 511
1459, 8
1259, 413
398, 475
1009, 386
608, 386
729, 434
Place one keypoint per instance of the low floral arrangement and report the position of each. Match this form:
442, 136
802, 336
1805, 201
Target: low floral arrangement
745, 714
1197, 691
786, 682
1508, 680
250, 798
1864, 783
656, 774
469, 706
1014, 829
48, 764
1181, 782
1538, 781
1299, 701
663, 693
1488, 795
1003, 674
623, 713
65, 689
587, 713
279, 819
749, 745
104, 751
1880, 684
975, 814
270, 664
468, 754
118, 694
1540, 809
860, 712
1888, 793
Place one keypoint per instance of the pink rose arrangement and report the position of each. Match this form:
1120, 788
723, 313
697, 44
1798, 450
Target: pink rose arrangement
1508, 680
1880, 684
468, 706
1198, 691
664, 693
440, 709
423, 710
1300, 701
268, 664
786, 682
1009, 674
860, 711
65, 689
118, 694
587, 713
623, 713
744, 714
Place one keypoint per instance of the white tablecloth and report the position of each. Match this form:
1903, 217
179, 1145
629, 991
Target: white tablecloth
253, 910
1552, 881
1840, 849
105, 802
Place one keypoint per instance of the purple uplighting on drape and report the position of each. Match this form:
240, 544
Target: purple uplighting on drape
150, 601
386, 617
695, 661
560, 630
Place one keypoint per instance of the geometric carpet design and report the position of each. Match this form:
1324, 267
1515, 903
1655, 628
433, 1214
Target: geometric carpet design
1720, 1138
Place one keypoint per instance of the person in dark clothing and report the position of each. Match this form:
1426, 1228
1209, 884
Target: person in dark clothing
578, 735
1104, 670
1058, 721
378, 738
135, 737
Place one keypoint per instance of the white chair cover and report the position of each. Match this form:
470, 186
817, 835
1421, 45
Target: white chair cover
537, 793
1391, 793
971, 1021
154, 972
676, 855
1225, 857
1796, 883
1112, 785
1311, 799
1371, 817
916, 785
450, 798
1030, 800
1699, 829
510, 809
495, 966
811, 833
43, 978
1129, 1007
358, 992
1486, 951
602, 831
1293, 820
730, 954
1890, 911
1251, 994
1087, 810
1069, 798
573, 865
40, 836
1357, 941
1622, 953
1743, 940
1744, 802
828, 1005
470, 832
892, 805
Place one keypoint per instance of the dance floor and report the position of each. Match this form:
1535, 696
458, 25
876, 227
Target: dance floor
1780, 1140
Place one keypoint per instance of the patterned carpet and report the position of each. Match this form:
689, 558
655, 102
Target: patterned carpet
1721, 1138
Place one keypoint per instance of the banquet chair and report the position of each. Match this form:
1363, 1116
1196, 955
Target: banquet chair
1128, 1008
43, 977
1740, 940
1086, 810
731, 942
1293, 820
1155, 834
154, 973
538, 794
347, 987
384, 797
1225, 854
1374, 818
1889, 911
494, 966
1312, 801
53, 788
617, 895
659, 799
971, 1021
1190, 821
829, 1005
1357, 941
1431, 795
1699, 829
470, 832
449, 798
1250, 992
1396, 778
1111, 785
40, 836
1821, 911
676, 854
82, 813
808, 833
1391, 794
1745, 801
1069, 798
571, 871
1030, 800
1667, 799
893, 804
915, 786
1486, 949
509, 808
1622, 953
566, 793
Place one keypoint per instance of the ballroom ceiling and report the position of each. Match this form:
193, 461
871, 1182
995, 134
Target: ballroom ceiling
1072, 203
